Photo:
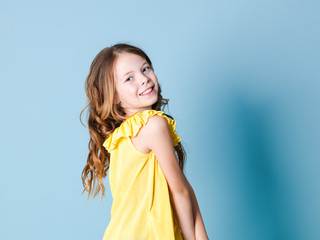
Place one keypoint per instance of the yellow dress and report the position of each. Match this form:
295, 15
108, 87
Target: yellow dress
141, 208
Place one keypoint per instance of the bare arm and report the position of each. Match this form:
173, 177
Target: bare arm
181, 197
200, 231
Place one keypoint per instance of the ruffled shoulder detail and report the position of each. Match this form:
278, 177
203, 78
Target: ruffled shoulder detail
132, 125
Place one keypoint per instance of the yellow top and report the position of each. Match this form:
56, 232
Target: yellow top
141, 208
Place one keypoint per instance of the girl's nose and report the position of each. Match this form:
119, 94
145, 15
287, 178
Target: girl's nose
144, 79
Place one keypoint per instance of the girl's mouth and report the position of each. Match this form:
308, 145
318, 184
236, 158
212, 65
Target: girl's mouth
148, 92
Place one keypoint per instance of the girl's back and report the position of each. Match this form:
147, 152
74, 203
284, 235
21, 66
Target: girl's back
141, 205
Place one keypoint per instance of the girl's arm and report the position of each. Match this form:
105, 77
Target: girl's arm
156, 135
200, 231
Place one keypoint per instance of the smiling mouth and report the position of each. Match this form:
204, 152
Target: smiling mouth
147, 91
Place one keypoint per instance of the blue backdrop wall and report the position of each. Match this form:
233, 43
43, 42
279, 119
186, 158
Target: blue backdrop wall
243, 82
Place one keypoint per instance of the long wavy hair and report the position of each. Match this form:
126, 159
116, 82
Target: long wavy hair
105, 115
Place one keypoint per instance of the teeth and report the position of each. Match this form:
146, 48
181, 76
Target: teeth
146, 92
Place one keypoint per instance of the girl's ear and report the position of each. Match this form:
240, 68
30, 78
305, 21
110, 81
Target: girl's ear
116, 100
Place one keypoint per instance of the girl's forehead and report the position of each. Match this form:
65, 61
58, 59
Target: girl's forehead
124, 59
126, 62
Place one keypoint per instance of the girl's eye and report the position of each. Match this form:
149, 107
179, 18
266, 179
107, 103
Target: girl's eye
128, 79
146, 68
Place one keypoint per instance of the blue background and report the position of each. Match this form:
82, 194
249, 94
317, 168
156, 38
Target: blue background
243, 82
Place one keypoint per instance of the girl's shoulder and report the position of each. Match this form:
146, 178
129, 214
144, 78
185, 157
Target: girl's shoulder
132, 125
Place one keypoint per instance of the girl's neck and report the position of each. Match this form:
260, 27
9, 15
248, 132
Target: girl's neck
133, 112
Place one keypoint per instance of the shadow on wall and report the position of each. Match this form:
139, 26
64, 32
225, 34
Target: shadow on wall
255, 181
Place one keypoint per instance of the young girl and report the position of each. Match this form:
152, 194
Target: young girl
132, 137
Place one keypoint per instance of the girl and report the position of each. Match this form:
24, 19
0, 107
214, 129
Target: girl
132, 137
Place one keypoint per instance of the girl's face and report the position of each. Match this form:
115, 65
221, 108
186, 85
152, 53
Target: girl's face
135, 82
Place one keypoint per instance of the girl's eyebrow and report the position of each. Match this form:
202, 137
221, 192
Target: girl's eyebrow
132, 71
127, 73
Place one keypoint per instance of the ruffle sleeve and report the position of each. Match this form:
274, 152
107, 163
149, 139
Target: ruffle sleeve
132, 125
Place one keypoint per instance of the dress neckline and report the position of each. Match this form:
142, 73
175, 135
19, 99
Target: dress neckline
139, 113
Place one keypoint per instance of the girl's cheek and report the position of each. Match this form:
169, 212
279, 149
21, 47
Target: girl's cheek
155, 77
132, 90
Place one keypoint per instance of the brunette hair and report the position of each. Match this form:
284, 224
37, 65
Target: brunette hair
105, 115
